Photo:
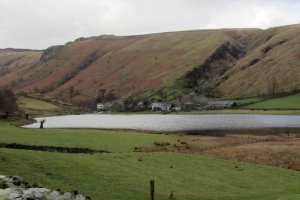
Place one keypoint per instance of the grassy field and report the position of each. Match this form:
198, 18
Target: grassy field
289, 102
244, 111
125, 175
34, 105
114, 141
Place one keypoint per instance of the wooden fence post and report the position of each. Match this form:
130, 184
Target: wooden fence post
152, 189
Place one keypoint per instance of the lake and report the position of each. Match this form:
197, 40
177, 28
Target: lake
170, 123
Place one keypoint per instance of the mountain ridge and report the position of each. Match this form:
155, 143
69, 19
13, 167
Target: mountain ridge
218, 62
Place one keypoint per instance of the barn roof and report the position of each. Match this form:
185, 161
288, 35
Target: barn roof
160, 104
221, 103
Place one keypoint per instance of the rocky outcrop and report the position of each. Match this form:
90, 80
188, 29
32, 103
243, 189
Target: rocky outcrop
203, 79
50, 53
14, 188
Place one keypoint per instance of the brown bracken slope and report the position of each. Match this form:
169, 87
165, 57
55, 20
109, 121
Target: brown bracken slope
236, 62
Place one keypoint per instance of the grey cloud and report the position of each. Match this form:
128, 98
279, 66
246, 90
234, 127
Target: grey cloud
41, 23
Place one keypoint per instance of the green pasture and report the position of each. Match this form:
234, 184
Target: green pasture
288, 102
28, 103
114, 141
125, 175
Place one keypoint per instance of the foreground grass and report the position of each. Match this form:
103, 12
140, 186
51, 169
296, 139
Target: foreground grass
123, 176
289, 102
114, 141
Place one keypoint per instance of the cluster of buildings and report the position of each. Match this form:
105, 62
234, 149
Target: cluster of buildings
173, 106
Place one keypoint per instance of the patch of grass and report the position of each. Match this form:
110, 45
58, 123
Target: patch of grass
114, 141
244, 111
126, 175
287, 197
28, 103
2, 185
248, 100
289, 102
168, 93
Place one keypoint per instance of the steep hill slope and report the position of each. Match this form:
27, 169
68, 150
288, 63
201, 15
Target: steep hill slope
226, 62
14, 63
271, 65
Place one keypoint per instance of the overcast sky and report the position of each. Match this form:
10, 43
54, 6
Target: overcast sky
38, 24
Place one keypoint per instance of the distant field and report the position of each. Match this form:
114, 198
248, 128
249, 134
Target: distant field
245, 111
125, 175
27, 103
289, 102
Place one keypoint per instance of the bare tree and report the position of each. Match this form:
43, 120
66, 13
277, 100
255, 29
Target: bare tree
7, 102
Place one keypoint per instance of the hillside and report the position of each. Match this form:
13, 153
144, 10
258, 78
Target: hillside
224, 62
273, 60
14, 63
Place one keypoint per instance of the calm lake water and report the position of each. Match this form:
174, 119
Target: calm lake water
170, 122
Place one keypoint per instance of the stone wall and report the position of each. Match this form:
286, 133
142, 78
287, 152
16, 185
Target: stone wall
14, 188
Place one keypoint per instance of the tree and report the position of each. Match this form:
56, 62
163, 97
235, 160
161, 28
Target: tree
110, 96
163, 96
72, 93
273, 86
136, 103
7, 102
101, 93
117, 106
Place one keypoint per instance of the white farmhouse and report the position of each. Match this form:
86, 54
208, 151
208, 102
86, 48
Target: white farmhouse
100, 106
